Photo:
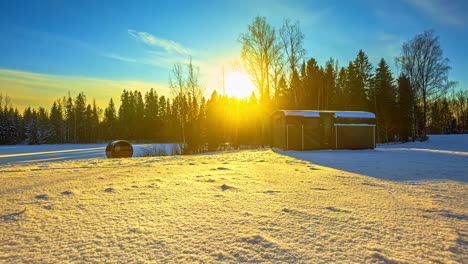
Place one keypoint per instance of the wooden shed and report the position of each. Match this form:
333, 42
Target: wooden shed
311, 130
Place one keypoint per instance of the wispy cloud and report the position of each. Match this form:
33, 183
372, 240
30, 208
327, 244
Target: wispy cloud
154, 58
36, 89
168, 45
445, 12
160, 52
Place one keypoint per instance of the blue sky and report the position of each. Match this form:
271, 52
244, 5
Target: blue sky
48, 48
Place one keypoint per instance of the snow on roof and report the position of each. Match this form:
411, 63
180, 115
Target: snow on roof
309, 113
355, 114
300, 113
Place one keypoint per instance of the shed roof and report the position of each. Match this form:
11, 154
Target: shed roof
312, 113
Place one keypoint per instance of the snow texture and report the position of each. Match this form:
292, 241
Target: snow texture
401, 203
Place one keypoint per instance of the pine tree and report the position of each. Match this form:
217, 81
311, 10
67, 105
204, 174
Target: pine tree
110, 121
70, 118
281, 94
80, 118
138, 116
125, 115
213, 122
56, 124
313, 86
94, 122
339, 102
359, 79
329, 85
384, 105
295, 89
162, 134
406, 109
151, 115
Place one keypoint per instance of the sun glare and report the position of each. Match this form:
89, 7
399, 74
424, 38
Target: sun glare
238, 84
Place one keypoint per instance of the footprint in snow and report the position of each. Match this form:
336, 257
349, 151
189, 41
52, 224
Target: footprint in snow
209, 180
42, 197
333, 209
222, 168
225, 187
109, 190
66, 193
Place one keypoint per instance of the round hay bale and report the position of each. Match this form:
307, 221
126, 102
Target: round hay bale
119, 149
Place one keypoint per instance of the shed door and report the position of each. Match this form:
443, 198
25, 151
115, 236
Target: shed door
295, 137
326, 124
312, 133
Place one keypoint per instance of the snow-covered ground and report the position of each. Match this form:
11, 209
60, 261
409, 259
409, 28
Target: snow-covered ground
401, 203
61, 152
442, 157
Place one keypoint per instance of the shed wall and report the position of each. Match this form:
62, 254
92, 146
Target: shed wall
355, 137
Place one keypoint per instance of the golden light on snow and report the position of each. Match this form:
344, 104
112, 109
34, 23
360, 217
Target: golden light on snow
258, 205
238, 84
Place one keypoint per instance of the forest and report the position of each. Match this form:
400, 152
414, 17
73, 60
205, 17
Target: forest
421, 100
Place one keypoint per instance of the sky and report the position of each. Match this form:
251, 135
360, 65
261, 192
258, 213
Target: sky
51, 48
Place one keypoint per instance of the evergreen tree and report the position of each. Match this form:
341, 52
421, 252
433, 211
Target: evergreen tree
339, 102
10, 125
70, 118
359, 79
329, 85
151, 115
94, 123
312, 86
110, 121
163, 109
282, 94
406, 108
213, 122
57, 125
79, 112
295, 91
125, 114
138, 116
384, 105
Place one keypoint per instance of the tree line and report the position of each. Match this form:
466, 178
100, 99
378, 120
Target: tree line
407, 107
202, 125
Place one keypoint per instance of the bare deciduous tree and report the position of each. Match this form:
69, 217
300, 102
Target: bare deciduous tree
177, 80
291, 40
259, 48
186, 89
422, 60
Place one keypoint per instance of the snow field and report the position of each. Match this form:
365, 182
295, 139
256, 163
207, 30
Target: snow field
241, 206
61, 152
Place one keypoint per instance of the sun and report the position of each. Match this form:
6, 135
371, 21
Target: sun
238, 84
